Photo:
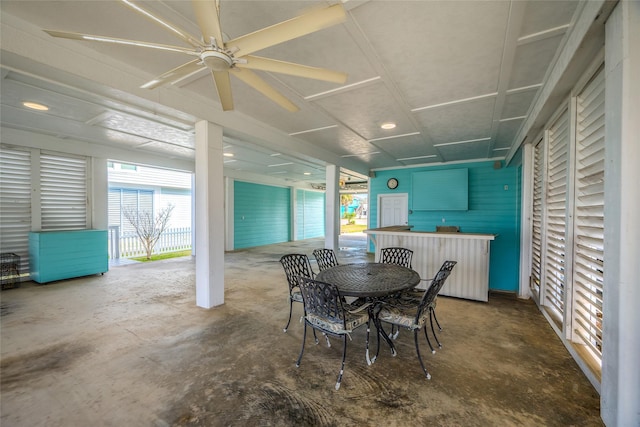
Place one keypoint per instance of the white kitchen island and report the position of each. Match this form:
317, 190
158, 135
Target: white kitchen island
469, 278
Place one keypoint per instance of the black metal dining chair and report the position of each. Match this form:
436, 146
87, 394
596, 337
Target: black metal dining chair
295, 265
395, 255
405, 310
398, 256
325, 311
326, 258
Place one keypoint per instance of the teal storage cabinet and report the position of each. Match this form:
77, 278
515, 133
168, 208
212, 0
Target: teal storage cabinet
57, 255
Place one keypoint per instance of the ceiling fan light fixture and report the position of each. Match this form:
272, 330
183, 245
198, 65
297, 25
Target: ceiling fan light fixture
216, 60
388, 125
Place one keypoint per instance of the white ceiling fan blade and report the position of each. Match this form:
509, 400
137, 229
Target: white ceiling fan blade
174, 29
208, 17
288, 30
103, 39
253, 80
282, 67
223, 86
175, 74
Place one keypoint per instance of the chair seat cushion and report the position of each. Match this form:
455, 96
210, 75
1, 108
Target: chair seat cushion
402, 311
352, 321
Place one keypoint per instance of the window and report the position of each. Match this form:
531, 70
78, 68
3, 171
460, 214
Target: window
121, 199
567, 267
63, 191
555, 211
588, 284
536, 234
15, 203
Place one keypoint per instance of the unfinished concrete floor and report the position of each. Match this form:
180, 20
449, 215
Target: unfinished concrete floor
131, 348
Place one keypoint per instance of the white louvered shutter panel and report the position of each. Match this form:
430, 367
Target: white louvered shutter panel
63, 191
15, 203
589, 217
536, 233
555, 224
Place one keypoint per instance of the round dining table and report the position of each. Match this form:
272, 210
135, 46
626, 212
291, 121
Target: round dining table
371, 281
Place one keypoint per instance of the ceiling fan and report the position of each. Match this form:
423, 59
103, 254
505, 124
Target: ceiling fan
233, 56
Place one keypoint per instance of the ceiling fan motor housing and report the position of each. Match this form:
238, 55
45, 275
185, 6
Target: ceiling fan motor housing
216, 60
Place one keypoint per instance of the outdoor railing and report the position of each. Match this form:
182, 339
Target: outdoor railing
129, 245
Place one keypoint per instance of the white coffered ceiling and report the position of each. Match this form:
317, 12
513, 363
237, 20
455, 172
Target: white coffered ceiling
457, 77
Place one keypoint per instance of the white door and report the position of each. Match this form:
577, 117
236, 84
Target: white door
393, 209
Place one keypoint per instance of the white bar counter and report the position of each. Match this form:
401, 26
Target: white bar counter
469, 278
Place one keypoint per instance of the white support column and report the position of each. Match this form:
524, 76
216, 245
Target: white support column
194, 230
229, 213
526, 220
99, 194
620, 387
332, 206
209, 197
295, 220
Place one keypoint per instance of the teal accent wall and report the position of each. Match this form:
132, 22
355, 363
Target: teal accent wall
492, 210
310, 214
262, 214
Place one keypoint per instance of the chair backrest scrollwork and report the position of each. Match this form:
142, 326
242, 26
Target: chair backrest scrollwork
326, 258
399, 256
436, 285
296, 265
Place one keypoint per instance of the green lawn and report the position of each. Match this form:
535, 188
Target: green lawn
157, 257
352, 228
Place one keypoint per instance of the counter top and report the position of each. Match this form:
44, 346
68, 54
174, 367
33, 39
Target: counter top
405, 230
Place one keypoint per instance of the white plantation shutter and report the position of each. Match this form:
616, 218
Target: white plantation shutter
589, 217
15, 203
536, 233
63, 191
556, 202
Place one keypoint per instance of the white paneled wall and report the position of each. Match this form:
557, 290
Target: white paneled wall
469, 278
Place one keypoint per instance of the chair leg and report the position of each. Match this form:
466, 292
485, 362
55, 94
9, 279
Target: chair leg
415, 338
428, 340
436, 319
304, 337
394, 335
290, 311
377, 339
369, 360
344, 356
432, 315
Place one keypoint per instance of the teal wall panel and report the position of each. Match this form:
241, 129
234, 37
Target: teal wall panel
494, 208
310, 214
262, 214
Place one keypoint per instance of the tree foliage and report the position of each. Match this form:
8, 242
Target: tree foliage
148, 229
346, 199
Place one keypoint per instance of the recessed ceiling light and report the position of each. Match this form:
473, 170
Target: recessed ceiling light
35, 106
388, 125
228, 154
